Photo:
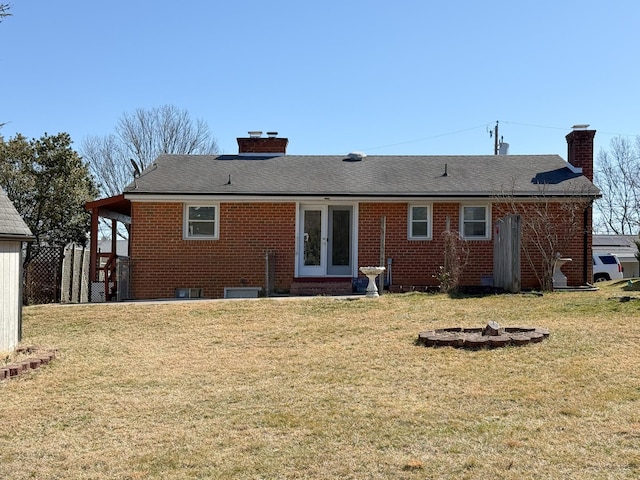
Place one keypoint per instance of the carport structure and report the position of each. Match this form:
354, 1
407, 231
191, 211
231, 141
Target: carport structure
102, 270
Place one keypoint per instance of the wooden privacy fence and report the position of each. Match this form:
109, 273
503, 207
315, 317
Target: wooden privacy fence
75, 275
506, 254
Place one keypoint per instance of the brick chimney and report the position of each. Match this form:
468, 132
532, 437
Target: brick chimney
580, 149
257, 146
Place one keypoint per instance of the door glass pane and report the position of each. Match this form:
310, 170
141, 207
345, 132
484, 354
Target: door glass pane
340, 238
312, 237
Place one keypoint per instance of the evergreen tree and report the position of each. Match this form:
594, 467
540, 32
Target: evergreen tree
48, 183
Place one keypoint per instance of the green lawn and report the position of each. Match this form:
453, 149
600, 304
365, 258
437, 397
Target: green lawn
324, 388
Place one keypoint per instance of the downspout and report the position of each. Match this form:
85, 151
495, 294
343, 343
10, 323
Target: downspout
383, 239
585, 245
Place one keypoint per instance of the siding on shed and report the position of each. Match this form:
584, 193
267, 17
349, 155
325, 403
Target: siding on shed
10, 256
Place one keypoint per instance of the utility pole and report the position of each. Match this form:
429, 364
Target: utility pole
498, 144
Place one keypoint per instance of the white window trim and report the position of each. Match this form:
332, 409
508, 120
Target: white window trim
185, 222
429, 207
487, 221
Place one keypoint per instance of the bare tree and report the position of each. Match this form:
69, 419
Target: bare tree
548, 227
108, 162
149, 133
4, 10
617, 174
456, 255
142, 136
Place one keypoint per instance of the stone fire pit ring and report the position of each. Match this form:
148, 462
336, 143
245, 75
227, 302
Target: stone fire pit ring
491, 336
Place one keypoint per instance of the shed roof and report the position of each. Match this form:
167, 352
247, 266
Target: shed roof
12, 227
623, 246
373, 176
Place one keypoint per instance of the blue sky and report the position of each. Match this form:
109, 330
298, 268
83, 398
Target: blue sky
403, 77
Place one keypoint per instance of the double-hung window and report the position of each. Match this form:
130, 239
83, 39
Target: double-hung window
475, 222
420, 222
201, 222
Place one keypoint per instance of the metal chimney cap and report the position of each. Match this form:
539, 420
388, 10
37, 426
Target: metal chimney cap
581, 126
255, 133
357, 156
272, 134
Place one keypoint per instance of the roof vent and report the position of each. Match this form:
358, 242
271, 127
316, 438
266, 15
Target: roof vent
356, 156
255, 134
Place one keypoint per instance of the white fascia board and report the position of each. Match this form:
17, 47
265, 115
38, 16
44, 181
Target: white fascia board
525, 196
293, 198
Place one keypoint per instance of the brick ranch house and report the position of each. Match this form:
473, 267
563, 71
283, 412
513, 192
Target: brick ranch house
209, 223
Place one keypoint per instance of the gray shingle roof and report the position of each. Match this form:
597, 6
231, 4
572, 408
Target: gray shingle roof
296, 175
11, 224
621, 245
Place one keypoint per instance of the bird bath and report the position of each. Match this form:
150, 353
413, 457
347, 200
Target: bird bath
559, 279
372, 273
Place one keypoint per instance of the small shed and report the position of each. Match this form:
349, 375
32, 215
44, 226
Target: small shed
13, 234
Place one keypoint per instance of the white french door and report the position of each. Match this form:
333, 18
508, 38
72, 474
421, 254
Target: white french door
325, 240
313, 240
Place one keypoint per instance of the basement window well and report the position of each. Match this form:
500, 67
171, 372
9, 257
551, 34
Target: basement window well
188, 293
242, 292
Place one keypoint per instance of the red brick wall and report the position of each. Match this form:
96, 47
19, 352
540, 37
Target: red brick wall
163, 261
416, 261
580, 150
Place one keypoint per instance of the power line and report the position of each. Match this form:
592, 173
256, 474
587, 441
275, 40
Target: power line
486, 126
425, 138
535, 126
565, 128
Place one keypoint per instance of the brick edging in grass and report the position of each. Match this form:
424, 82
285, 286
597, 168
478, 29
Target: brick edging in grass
35, 358
474, 338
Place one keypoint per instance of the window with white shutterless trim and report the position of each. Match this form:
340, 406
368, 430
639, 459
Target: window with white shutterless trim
420, 222
201, 222
475, 222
